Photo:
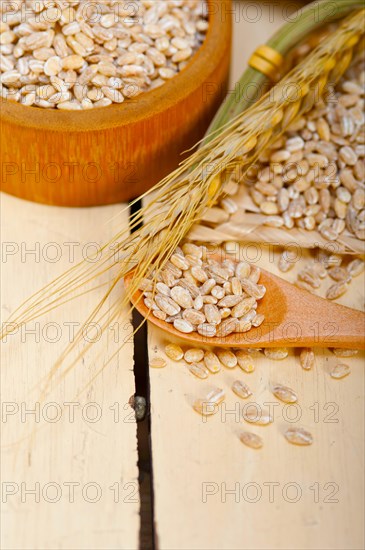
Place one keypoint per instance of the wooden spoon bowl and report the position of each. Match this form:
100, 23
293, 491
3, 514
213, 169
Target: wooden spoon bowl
293, 318
114, 154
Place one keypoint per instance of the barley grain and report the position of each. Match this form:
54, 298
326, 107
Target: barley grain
194, 355
345, 352
298, 436
276, 353
212, 362
227, 358
174, 352
336, 290
157, 362
183, 326
340, 371
285, 394
307, 358
356, 267
256, 415
199, 370
251, 440
241, 389
245, 361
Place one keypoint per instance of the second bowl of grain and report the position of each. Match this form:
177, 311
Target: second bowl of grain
112, 154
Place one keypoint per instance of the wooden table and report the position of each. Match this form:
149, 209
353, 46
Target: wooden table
69, 460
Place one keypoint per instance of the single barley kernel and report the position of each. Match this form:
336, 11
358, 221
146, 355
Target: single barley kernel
236, 286
205, 407
227, 327
242, 270
227, 358
298, 436
210, 300
336, 290
207, 287
192, 249
245, 361
199, 370
183, 326
230, 301
258, 320
207, 330
339, 274
182, 297
218, 292
217, 395
167, 304
225, 312
209, 405
241, 389
162, 288
212, 362
251, 440
248, 317
193, 316
307, 358
276, 353
159, 314
194, 355
345, 352
253, 289
285, 394
340, 371
257, 416
309, 277
174, 352
198, 303
285, 264
157, 362
199, 274
356, 267
243, 307
242, 326
212, 314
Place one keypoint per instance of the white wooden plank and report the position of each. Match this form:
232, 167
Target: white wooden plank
86, 460
281, 496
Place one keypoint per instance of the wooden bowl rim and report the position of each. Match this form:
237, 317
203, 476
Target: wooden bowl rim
146, 105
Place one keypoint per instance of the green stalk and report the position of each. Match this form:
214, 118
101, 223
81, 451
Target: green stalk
289, 35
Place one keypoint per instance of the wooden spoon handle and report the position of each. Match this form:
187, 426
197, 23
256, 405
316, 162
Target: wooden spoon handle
320, 322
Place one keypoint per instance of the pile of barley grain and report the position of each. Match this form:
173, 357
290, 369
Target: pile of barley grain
313, 177
311, 276
196, 293
81, 54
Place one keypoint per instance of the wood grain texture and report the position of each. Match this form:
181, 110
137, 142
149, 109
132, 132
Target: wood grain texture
116, 153
80, 452
196, 463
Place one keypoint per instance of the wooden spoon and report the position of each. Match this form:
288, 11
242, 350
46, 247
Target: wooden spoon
293, 318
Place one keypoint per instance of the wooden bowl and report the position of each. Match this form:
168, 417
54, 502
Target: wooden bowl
113, 154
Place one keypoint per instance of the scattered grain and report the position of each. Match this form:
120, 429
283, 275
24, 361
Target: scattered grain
157, 362
298, 436
241, 389
340, 371
174, 352
285, 394
276, 353
251, 440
